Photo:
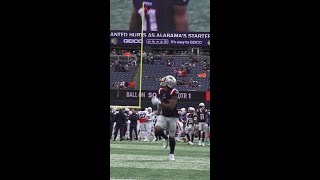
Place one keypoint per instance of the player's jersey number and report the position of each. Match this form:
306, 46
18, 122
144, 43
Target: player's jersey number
152, 19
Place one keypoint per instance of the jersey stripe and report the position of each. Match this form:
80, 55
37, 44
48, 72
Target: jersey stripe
160, 90
172, 91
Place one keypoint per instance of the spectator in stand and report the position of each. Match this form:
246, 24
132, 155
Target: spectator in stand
184, 71
122, 86
179, 73
179, 83
202, 75
132, 84
126, 84
126, 67
151, 60
188, 68
169, 63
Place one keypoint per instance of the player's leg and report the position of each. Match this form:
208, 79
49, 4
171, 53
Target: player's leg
111, 129
204, 133
135, 132
172, 133
192, 133
151, 133
131, 129
200, 133
187, 133
180, 126
121, 132
148, 128
159, 129
208, 134
116, 131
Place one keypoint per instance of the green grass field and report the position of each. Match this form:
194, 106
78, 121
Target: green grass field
198, 12
149, 161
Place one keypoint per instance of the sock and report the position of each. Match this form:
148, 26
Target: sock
192, 137
188, 137
199, 135
172, 145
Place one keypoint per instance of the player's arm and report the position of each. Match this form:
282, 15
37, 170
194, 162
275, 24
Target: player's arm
134, 20
172, 103
181, 18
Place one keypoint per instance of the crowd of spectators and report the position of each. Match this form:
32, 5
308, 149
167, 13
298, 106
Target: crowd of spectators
122, 65
179, 70
123, 85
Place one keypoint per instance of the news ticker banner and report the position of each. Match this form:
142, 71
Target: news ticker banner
190, 39
147, 95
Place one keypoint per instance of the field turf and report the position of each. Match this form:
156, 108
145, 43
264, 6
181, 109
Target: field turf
149, 161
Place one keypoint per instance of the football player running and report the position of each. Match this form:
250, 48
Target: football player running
202, 118
167, 106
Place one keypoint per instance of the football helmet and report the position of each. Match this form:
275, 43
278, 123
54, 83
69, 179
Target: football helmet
149, 109
183, 111
169, 81
201, 105
191, 109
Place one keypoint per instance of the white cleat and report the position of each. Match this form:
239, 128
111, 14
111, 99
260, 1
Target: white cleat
209, 144
202, 144
165, 144
191, 143
154, 140
199, 143
171, 157
146, 140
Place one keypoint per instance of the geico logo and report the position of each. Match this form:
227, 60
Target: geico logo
195, 42
132, 40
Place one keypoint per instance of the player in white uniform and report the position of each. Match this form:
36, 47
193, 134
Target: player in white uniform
142, 125
150, 117
191, 119
181, 123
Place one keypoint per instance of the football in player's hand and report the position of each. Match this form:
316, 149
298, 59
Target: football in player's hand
155, 101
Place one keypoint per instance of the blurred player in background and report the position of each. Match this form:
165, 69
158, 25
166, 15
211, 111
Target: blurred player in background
149, 124
142, 127
191, 118
120, 119
112, 110
208, 128
182, 123
133, 118
202, 118
167, 102
160, 15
